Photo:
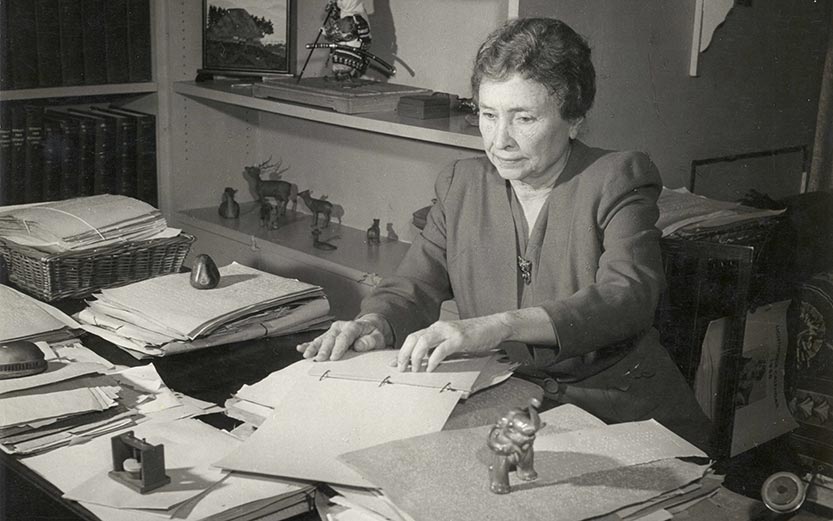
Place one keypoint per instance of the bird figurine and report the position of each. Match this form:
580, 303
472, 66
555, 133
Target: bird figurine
321, 245
229, 209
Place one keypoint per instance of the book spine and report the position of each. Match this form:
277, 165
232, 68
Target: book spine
72, 42
48, 43
115, 38
95, 53
23, 55
52, 147
87, 160
5, 156
5, 67
126, 152
106, 163
138, 40
17, 185
146, 158
69, 158
146, 184
33, 173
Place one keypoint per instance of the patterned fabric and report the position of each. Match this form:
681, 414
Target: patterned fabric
812, 396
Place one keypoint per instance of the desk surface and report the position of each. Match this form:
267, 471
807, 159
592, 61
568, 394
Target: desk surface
217, 372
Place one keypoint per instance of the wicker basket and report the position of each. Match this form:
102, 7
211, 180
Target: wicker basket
76, 274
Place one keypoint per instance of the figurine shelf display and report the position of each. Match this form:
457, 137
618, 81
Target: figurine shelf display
374, 233
317, 207
510, 441
281, 191
319, 244
229, 209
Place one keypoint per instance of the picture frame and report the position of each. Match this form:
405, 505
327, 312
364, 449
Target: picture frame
248, 38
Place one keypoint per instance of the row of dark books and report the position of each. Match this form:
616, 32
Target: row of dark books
49, 43
49, 153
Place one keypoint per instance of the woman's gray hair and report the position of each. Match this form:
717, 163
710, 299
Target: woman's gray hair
545, 50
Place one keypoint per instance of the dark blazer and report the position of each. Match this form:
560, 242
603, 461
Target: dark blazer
598, 271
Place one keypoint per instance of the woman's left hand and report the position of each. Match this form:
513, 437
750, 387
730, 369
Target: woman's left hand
444, 338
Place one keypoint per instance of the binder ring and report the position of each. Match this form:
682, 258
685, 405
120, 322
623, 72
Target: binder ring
447, 387
385, 380
324, 375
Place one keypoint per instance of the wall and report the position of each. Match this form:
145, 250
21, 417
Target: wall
758, 86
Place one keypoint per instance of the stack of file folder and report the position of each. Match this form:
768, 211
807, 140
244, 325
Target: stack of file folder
83, 223
166, 315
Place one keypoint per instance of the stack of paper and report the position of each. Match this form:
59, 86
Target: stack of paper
316, 411
585, 469
198, 491
679, 209
25, 318
75, 400
83, 223
166, 315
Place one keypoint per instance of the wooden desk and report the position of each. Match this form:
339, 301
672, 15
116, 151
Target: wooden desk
212, 374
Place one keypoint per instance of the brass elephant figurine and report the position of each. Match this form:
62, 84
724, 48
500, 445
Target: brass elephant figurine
511, 443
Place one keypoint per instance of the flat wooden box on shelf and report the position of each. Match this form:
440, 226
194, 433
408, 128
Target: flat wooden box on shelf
348, 97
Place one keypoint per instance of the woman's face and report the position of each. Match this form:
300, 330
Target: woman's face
523, 132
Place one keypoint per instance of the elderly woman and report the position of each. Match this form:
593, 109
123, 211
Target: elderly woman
548, 247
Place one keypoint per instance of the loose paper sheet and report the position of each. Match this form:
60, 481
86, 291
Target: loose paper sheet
55, 372
761, 411
321, 419
188, 444
374, 366
23, 316
24, 409
445, 475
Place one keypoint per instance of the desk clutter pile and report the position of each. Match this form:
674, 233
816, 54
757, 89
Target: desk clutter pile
354, 438
389, 447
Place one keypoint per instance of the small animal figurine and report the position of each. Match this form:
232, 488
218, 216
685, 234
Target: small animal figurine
229, 209
321, 245
392, 235
374, 233
511, 442
281, 191
317, 206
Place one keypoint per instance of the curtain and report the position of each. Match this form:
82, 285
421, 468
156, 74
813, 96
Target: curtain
821, 172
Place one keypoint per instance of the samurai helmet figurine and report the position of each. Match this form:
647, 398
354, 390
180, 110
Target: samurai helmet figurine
347, 31
347, 26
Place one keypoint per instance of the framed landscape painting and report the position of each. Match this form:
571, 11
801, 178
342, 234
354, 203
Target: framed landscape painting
248, 37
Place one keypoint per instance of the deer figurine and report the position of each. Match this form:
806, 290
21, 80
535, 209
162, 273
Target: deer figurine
317, 206
281, 191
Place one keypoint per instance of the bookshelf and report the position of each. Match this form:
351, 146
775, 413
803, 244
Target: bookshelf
76, 91
57, 54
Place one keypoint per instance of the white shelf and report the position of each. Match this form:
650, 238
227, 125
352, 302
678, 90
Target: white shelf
452, 131
354, 258
78, 90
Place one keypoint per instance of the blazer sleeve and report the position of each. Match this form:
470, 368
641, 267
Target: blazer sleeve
411, 299
629, 280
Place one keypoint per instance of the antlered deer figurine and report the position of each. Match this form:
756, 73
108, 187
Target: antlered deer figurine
317, 206
281, 191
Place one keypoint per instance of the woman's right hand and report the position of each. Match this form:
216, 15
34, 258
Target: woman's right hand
365, 333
